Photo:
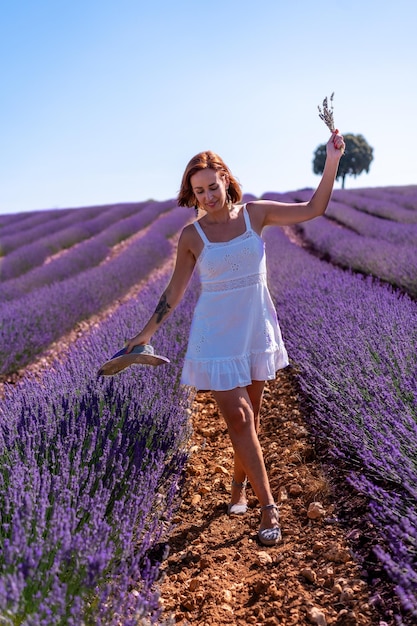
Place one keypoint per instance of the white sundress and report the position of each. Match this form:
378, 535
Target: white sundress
235, 336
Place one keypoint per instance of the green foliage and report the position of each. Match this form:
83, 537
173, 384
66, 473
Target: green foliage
357, 158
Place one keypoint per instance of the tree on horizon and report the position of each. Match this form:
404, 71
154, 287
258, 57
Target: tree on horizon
356, 159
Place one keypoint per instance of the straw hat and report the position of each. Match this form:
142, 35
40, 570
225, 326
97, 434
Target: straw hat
140, 355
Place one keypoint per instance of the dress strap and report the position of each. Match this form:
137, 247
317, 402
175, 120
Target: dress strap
201, 233
247, 218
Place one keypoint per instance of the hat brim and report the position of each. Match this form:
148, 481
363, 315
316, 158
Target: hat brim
121, 360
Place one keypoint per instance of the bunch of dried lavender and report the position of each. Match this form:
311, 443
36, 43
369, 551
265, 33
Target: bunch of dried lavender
326, 114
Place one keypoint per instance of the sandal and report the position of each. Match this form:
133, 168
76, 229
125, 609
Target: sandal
238, 509
270, 536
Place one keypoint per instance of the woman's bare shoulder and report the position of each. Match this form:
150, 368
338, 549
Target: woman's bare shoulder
256, 213
189, 233
191, 240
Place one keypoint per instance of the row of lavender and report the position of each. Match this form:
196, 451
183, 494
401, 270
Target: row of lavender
32, 322
25, 228
90, 475
25, 252
375, 236
46, 235
392, 203
395, 208
19, 222
353, 342
77, 258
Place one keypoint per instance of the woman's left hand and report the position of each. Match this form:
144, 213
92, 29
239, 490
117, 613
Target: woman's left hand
335, 145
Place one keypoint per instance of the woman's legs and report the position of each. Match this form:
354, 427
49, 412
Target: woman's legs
255, 392
239, 413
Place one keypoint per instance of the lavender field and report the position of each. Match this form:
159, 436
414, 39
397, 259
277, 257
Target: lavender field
91, 469
369, 234
41, 315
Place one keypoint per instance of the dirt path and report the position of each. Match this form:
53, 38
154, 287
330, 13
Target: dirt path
217, 573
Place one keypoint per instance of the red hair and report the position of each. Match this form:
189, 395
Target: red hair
202, 161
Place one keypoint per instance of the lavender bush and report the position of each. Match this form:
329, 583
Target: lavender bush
30, 324
10, 218
391, 262
86, 254
405, 196
89, 478
44, 224
21, 222
397, 207
371, 226
387, 208
22, 228
362, 241
352, 341
55, 238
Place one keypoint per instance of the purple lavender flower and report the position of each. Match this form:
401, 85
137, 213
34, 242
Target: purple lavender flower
91, 475
30, 323
353, 340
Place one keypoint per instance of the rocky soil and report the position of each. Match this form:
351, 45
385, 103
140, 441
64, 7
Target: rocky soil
217, 573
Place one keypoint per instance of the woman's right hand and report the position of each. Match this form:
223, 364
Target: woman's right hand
139, 340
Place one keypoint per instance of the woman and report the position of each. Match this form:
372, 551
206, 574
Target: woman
235, 342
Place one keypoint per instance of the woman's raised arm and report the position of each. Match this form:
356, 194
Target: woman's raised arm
270, 213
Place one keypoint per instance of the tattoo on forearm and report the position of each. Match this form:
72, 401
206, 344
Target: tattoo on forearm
162, 309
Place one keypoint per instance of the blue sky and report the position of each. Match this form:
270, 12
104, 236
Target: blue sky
106, 101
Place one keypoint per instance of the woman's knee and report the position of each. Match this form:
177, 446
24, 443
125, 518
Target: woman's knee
255, 392
236, 408
239, 419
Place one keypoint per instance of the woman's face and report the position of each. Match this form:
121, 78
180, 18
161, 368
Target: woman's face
210, 189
